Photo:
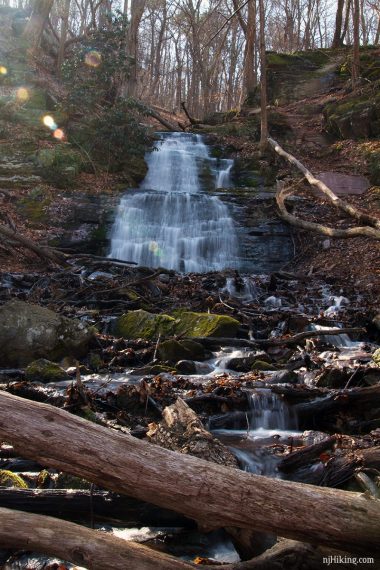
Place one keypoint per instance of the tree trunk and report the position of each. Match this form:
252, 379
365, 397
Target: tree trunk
263, 80
356, 53
36, 24
212, 494
337, 41
137, 9
250, 75
85, 506
337, 202
62, 39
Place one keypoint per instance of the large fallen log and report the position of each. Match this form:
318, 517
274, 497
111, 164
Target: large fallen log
98, 550
211, 342
333, 198
212, 494
87, 506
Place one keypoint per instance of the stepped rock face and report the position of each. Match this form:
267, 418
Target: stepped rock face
28, 332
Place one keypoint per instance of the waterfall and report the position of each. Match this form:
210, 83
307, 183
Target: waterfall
223, 178
170, 221
269, 413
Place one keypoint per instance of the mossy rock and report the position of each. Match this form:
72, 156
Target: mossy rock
60, 165
173, 350
34, 206
66, 481
204, 324
376, 357
43, 370
262, 365
10, 479
141, 324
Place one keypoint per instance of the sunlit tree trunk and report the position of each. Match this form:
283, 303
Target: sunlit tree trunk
356, 53
63, 37
36, 24
263, 79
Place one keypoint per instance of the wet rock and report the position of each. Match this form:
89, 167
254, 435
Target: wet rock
241, 364
376, 321
372, 376
29, 332
186, 367
141, 324
284, 377
43, 370
173, 350
333, 378
262, 365
164, 278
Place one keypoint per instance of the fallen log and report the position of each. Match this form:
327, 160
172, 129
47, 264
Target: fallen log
305, 455
168, 124
358, 231
98, 550
333, 198
42, 252
86, 506
210, 342
213, 495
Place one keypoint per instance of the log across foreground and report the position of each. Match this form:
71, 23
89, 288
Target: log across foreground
214, 495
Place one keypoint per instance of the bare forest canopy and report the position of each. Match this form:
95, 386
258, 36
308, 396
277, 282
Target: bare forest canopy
203, 52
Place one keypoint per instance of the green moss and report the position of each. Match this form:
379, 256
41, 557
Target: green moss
376, 357
43, 370
66, 481
205, 324
262, 365
141, 324
10, 479
34, 206
60, 164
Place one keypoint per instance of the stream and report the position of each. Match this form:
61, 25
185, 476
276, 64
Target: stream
174, 221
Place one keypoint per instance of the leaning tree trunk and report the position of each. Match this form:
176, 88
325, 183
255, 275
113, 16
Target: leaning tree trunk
36, 24
213, 495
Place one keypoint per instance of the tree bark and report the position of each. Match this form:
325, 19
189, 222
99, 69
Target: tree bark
263, 81
212, 494
34, 28
337, 41
42, 252
353, 212
360, 231
356, 54
83, 505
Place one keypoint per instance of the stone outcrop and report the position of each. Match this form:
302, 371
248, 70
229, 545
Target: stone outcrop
29, 332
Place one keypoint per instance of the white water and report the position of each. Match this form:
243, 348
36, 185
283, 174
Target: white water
170, 222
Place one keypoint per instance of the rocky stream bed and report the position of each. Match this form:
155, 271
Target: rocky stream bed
247, 371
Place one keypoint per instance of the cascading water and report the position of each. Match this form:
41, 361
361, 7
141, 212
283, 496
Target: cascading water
170, 222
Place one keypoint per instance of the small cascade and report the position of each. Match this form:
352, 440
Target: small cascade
224, 175
170, 221
245, 292
268, 413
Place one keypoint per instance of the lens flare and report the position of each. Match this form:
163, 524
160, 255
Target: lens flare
22, 94
153, 246
3, 70
59, 134
49, 122
93, 58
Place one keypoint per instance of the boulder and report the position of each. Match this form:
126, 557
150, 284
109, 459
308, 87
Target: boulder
241, 363
141, 324
284, 377
43, 370
186, 367
173, 350
29, 332
376, 357
334, 378
262, 365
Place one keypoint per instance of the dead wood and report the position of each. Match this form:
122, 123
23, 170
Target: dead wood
165, 122
240, 342
93, 549
212, 494
103, 551
358, 231
42, 252
333, 198
305, 455
83, 505
190, 118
